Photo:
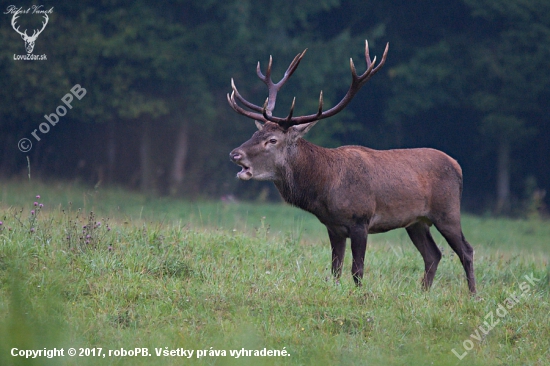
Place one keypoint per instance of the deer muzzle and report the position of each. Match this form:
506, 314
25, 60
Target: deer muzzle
238, 157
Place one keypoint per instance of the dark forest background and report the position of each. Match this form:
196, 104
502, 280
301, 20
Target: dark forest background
469, 77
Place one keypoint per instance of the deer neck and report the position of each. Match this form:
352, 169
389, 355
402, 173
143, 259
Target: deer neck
302, 180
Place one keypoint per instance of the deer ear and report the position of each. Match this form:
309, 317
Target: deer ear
259, 125
301, 130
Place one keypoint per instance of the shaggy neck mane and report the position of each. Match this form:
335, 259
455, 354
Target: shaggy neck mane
302, 181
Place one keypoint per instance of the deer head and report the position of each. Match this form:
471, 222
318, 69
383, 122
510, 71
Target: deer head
29, 40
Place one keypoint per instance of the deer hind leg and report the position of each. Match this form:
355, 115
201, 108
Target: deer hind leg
452, 232
338, 244
423, 241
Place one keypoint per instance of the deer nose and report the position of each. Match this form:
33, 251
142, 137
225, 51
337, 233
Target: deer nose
235, 155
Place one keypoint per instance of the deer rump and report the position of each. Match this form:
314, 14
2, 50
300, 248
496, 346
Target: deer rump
354, 190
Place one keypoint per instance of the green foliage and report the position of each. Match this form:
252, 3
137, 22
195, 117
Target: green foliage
506, 126
493, 76
432, 73
523, 10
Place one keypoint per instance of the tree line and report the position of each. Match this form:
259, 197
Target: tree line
468, 77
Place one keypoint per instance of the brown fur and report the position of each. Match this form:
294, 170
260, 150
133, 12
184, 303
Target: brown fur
354, 191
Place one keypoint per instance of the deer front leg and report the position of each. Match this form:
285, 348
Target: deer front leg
358, 236
338, 244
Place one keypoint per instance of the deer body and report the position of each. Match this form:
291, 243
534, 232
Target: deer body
383, 190
355, 191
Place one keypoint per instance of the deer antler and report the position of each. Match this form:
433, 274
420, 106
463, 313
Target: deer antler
265, 113
272, 88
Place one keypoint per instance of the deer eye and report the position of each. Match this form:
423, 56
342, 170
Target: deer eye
273, 141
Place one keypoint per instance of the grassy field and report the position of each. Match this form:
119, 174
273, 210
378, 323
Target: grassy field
213, 277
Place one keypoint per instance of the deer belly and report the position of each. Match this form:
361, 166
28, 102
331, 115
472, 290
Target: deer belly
380, 224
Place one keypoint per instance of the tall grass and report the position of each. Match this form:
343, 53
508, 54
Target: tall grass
164, 273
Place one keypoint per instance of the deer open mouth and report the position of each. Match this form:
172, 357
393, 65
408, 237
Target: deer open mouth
245, 173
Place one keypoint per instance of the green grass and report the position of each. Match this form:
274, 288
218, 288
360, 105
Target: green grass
197, 275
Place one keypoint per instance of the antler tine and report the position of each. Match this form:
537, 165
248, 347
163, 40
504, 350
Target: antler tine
291, 68
383, 61
367, 56
281, 121
320, 111
291, 112
238, 109
249, 105
353, 71
264, 109
267, 77
367, 73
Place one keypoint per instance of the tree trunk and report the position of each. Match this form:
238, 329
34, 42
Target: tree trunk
503, 177
180, 158
145, 156
111, 151
6, 141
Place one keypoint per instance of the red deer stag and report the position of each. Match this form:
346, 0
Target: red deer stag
354, 190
